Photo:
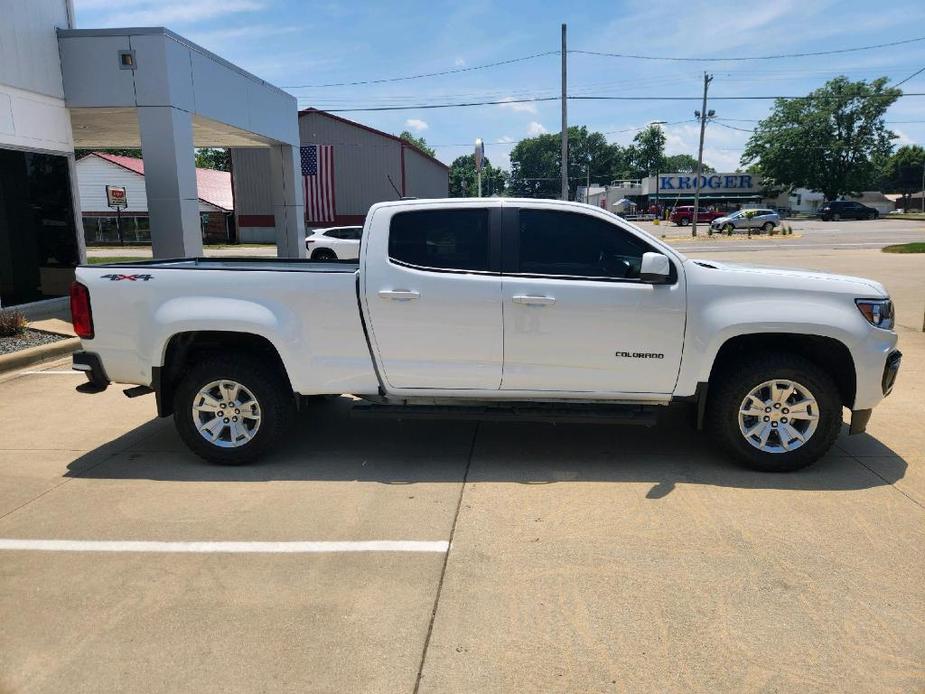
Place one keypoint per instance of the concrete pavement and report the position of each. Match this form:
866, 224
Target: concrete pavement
583, 558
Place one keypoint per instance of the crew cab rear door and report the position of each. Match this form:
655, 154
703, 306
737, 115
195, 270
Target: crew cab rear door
432, 289
577, 318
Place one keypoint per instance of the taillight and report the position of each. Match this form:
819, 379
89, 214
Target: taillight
81, 315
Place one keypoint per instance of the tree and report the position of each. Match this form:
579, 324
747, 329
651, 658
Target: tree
464, 180
831, 141
649, 150
213, 158
685, 163
136, 153
535, 162
902, 172
418, 142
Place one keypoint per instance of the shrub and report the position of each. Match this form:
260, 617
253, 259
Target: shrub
11, 323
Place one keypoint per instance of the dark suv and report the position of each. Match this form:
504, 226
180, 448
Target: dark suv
846, 209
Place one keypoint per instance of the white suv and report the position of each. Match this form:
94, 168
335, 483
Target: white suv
763, 219
334, 243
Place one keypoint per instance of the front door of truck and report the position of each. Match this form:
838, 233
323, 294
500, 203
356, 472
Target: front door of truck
577, 318
432, 290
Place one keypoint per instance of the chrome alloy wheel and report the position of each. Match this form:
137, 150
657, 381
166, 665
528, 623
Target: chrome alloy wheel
778, 416
226, 414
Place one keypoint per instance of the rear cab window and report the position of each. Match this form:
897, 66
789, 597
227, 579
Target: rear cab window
447, 240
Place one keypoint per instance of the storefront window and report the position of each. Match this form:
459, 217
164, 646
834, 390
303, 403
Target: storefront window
38, 241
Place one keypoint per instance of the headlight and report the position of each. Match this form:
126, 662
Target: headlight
878, 312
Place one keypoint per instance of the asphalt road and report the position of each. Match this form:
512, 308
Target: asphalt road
807, 234
524, 557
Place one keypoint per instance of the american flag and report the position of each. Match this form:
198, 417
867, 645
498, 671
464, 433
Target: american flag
318, 182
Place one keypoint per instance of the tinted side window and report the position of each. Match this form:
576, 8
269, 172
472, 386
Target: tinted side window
443, 239
355, 234
578, 245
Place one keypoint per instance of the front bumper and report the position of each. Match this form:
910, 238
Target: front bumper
92, 366
890, 371
860, 418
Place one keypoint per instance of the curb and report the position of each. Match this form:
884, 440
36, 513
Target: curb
33, 355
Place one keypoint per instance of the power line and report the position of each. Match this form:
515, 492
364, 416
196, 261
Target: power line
917, 72
496, 102
454, 71
753, 57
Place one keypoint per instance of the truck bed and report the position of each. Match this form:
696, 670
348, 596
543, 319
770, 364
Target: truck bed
241, 263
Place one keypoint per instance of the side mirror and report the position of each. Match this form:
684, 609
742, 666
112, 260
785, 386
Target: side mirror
655, 269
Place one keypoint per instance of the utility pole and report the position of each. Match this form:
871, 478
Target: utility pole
703, 115
564, 165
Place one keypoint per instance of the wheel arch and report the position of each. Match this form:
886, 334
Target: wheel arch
184, 348
829, 354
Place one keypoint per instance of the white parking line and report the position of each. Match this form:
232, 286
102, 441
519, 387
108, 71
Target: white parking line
225, 547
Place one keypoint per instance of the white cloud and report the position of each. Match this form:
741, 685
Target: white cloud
534, 129
902, 138
504, 139
167, 12
517, 106
416, 124
459, 62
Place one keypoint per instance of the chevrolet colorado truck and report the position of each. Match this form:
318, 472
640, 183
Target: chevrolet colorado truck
492, 309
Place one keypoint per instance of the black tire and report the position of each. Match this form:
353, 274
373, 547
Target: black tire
270, 388
324, 254
768, 227
836, 217
737, 380
874, 215
684, 221
729, 228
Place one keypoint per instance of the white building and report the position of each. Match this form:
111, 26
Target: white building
62, 88
102, 225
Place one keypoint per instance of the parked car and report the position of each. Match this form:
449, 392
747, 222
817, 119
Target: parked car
493, 309
682, 216
334, 243
763, 219
846, 209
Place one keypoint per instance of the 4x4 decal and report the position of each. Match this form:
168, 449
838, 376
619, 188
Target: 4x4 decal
132, 278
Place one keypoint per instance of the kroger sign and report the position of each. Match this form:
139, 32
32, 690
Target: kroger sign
740, 183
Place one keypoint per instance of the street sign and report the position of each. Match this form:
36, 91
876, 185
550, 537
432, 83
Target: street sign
115, 197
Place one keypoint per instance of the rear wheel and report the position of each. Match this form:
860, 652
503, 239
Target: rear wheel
836, 217
775, 412
324, 254
684, 221
768, 227
232, 409
874, 215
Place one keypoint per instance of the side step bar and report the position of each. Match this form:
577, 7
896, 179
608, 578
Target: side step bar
552, 414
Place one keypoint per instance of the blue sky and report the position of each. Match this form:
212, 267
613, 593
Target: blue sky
289, 42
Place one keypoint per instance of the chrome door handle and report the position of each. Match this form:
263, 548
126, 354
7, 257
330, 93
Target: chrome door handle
534, 300
399, 294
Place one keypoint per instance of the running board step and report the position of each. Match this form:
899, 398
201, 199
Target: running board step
551, 414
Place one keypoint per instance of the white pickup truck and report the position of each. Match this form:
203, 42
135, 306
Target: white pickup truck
493, 308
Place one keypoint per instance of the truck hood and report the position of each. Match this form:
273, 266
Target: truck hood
797, 278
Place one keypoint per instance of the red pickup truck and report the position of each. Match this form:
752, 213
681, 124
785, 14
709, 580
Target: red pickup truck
682, 216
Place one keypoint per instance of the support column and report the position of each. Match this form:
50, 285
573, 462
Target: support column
170, 181
288, 201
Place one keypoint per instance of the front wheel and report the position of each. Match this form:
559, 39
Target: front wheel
775, 412
729, 228
684, 221
231, 410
